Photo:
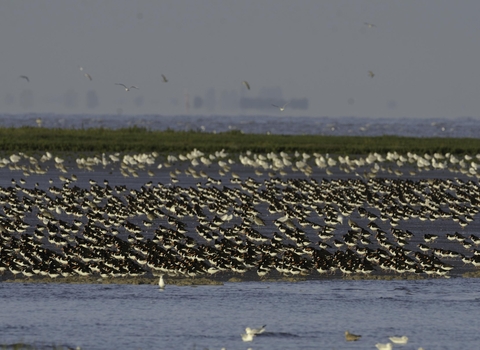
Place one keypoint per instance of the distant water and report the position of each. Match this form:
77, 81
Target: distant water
459, 127
434, 314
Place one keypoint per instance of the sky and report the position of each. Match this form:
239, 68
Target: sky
425, 57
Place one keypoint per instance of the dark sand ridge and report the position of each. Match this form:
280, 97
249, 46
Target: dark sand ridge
410, 197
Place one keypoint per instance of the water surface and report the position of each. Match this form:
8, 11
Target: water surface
434, 314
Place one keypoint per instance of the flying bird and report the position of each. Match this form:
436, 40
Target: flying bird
85, 74
371, 74
126, 87
24, 77
281, 108
370, 25
246, 84
165, 80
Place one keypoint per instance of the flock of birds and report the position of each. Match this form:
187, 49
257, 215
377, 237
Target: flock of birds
165, 80
291, 225
193, 224
251, 333
380, 346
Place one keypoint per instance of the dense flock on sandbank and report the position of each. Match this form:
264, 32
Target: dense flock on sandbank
222, 215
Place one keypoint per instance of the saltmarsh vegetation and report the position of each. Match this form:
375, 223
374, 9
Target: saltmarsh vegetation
136, 139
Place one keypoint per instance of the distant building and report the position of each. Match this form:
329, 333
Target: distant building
266, 103
92, 99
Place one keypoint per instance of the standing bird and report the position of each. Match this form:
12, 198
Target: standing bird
247, 85
165, 80
371, 74
281, 108
24, 77
161, 283
351, 337
258, 221
126, 87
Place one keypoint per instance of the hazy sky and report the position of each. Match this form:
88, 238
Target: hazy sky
425, 55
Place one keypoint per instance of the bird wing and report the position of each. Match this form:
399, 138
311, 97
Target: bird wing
275, 105
25, 77
121, 85
88, 76
164, 78
133, 87
246, 84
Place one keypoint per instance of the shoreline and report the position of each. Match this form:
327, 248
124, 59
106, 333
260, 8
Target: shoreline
229, 278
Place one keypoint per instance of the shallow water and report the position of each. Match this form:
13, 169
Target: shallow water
434, 314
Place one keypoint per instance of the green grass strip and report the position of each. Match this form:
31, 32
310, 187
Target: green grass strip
136, 139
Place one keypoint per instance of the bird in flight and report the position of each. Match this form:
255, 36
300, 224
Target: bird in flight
370, 25
126, 87
281, 108
247, 85
165, 80
371, 74
24, 77
85, 74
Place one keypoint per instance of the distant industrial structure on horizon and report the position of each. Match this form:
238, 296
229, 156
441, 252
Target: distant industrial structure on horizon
229, 100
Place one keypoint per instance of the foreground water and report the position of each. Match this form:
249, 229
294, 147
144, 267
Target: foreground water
434, 314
